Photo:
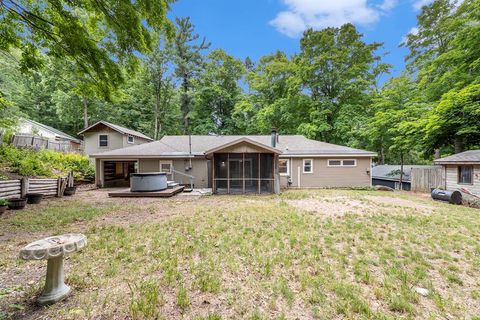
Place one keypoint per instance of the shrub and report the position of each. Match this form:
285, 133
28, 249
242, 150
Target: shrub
45, 163
3, 202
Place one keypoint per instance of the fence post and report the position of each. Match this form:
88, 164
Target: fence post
23, 187
59, 187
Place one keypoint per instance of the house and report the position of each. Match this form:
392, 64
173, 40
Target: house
105, 136
462, 171
26, 131
389, 175
240, 164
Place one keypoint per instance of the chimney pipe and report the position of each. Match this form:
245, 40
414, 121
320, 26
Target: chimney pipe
274, 137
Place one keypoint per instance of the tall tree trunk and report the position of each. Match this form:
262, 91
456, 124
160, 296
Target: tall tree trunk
401, 171
437, 154
85, 113
382, 156
155, 114
458, 144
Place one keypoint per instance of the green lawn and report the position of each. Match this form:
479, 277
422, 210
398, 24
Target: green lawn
305, 254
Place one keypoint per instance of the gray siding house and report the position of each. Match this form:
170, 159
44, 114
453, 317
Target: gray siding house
462, 171
105, 136
242, 164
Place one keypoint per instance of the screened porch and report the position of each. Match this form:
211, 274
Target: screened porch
240, 173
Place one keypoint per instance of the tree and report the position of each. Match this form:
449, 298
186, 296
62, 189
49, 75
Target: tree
444, 53
338, 70
159, 77
394, 129
455, 120
276, 96
217, 92
100, 36
189, 62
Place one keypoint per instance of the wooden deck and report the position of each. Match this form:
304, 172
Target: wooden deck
126, 193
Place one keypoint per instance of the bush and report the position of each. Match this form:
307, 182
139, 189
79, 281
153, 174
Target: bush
45, 163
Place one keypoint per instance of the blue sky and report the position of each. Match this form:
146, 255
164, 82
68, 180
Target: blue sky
258, 27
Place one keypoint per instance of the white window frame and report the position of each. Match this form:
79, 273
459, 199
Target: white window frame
170, 162
108, 140
128, 139
311, 166
341, 163
288, 167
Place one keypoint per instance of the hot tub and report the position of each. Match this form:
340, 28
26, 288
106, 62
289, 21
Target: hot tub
148, 181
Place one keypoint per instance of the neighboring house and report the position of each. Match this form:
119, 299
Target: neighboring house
389, 175
241, 164
35, 129
105, 136
462, 171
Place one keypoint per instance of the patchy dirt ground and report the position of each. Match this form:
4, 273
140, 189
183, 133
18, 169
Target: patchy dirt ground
328, 254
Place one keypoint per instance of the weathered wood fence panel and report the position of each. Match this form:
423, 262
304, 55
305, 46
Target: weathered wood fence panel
10, 189
37, 142
423, 179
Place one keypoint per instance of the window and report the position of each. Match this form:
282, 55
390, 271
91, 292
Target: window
283, 167
342, 163
349, 163
307, 166
130, 139
465, 174
103, 140
166, 166
334, 163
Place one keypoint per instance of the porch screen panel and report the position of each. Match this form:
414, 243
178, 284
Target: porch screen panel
266, 166
221, 162
251, 166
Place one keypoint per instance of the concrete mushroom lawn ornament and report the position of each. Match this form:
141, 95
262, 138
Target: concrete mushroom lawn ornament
53, 249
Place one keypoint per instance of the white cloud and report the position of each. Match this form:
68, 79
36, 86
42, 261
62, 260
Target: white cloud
418, 4
303, 14
413, 30
388, 5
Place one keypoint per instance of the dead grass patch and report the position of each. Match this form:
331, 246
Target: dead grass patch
316, 254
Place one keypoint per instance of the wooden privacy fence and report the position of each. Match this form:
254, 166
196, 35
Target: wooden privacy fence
423, 179
10, 189
37, 142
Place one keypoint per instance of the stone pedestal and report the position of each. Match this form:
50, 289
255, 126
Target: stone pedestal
55, 288
53, 250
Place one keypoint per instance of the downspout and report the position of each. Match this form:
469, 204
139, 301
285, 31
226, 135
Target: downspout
190, 151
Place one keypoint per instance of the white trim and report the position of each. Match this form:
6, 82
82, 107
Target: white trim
114, 157
370, 171
108, 140
133, 139
288, 167
299, 177
170, 162
341, 163
325, 155
311, 166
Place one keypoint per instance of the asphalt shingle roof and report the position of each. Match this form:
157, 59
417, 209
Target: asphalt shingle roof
467, 156
179, 146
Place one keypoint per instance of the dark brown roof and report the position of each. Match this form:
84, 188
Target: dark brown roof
471, 156
178, 146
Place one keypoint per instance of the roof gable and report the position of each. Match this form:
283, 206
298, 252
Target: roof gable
240, 141
53, 130
117, 128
